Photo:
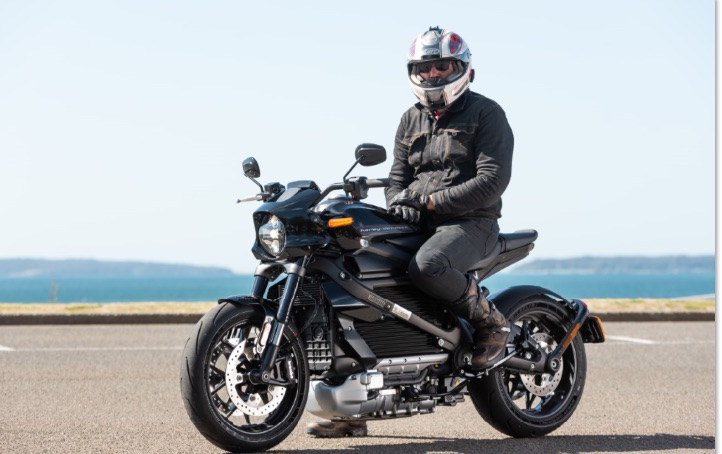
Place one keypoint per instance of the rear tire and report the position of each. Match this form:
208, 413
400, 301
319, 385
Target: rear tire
234, 415
526, 405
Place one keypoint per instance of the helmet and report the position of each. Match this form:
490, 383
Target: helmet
439, 45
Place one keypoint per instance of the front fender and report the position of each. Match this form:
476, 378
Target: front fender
248, 300
267, 306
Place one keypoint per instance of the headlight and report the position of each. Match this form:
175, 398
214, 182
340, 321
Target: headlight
272, 236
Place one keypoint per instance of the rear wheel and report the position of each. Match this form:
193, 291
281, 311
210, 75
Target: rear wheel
226, 408
532, 405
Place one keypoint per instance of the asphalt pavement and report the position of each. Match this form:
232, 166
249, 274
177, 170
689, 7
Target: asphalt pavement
115, 388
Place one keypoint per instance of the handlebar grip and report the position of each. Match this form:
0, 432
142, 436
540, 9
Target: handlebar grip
373, 183
378, 183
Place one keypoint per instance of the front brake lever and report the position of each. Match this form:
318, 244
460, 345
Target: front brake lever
251, 199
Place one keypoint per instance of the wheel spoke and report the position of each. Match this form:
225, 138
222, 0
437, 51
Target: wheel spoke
217, 371
546, 399
529, 400
518, 385
218, 387
227, 346
525, 330
231, 409
517, 389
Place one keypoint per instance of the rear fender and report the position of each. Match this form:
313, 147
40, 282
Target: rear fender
590, 326
506, 298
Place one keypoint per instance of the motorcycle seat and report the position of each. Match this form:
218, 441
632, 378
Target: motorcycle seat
507, 242
517, 239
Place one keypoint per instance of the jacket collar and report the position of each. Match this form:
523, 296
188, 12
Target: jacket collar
455, 106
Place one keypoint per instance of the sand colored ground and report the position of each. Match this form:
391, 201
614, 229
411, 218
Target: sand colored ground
595, 306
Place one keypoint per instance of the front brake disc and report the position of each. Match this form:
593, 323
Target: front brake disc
249, 399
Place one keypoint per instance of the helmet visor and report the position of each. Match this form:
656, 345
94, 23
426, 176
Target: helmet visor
425, 67
421, 72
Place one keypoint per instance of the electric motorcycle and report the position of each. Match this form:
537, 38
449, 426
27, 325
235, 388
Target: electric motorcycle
333, 326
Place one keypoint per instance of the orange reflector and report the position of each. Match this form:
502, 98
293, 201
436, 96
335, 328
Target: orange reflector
340, 222
569, 339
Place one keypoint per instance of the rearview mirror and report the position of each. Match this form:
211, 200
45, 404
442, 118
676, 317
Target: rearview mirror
369, 154
251, 168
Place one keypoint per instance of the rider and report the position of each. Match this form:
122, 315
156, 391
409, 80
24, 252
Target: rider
452, 162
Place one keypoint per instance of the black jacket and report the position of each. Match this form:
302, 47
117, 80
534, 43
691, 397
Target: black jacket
463, 158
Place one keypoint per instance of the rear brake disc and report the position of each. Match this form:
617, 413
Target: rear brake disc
543, 384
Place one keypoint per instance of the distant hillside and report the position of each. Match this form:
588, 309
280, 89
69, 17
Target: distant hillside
19, 268
610, 265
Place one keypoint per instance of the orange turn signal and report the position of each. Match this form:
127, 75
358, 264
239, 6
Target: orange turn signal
339, 222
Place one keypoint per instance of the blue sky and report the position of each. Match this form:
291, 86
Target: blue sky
123, 124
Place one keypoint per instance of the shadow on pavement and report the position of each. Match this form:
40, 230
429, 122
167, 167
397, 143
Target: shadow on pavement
549, 444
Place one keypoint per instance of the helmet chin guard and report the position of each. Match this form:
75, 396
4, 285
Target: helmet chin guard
439, 45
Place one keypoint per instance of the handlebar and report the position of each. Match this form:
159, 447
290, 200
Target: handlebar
378, 183
356, 186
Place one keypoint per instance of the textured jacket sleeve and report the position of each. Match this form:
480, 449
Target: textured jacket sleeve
401, 173
493, 150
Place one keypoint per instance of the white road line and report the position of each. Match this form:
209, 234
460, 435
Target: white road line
633, 340
89, 349
687, 342
5, 349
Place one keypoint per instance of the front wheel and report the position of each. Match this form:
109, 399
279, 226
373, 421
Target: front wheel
532, 405
229, 411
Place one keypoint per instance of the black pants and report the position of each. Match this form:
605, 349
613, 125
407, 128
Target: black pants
439, 267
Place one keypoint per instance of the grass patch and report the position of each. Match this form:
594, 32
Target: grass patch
650, 305
82, 307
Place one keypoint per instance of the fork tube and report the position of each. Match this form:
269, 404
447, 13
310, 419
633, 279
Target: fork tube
265, 273
259, 286
295, 273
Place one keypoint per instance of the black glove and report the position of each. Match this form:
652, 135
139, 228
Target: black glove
408, 205
408, 214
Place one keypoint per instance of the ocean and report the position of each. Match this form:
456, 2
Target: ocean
137, 289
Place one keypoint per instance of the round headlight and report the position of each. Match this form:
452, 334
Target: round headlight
272, 236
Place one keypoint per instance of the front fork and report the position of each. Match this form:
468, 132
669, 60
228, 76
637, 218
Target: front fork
272, 332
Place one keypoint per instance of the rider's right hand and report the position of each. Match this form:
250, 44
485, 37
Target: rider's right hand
409, 214
408, 205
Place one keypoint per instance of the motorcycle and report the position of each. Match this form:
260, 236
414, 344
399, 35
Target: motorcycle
333, 326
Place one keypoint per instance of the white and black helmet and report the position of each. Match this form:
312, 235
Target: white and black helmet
439, 45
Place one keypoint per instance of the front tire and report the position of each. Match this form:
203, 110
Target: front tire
231, 413
527, 405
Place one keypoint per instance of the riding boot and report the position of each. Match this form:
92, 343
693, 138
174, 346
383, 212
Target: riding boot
491, 328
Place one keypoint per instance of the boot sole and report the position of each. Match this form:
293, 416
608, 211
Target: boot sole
356, 432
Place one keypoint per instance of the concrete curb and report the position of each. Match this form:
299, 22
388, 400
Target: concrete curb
97, 319
139, 319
